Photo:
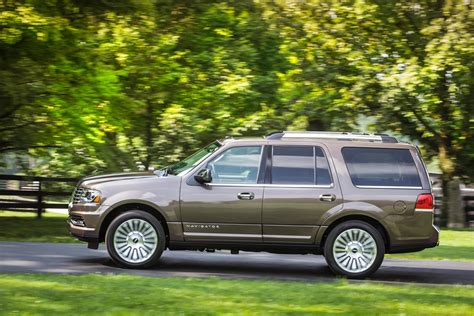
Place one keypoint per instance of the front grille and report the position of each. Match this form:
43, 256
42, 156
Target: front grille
76, 196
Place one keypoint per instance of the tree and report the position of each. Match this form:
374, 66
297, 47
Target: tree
424, 85
29, 41
129, 85
407, 64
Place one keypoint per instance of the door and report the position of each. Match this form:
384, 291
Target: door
300, 190
230, 207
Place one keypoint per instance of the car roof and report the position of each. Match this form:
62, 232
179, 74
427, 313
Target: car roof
262, 141
342, 139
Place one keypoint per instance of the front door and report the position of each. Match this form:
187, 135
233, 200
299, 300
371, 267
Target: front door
300, 190
230, 207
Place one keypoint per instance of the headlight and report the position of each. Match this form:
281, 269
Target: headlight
83, 195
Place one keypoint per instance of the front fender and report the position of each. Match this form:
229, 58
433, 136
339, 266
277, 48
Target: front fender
168, 208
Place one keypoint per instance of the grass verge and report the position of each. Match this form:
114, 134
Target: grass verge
18, 226
135, 295
454, 244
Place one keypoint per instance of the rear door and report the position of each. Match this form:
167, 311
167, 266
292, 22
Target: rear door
300, 188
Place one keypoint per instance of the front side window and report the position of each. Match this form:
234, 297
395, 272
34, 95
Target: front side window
381, 167
236, 165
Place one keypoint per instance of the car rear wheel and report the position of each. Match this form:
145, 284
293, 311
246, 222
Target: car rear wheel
354, 249
135, 239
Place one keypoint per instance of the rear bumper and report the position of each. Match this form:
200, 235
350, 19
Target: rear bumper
417, 245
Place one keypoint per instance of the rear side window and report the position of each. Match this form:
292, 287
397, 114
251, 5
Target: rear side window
293, 165
381, 167
304, 165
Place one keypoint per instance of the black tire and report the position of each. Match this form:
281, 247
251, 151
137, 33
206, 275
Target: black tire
347, 227
141, 216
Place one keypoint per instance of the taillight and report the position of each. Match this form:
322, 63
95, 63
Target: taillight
425, 201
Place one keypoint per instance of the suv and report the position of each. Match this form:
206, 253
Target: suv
350, 197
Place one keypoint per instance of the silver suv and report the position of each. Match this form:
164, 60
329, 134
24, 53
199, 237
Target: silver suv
350, 197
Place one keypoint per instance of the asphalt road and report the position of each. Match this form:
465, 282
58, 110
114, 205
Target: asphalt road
19, 257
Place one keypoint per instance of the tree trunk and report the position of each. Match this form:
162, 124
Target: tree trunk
149, 134
452, 204
456, 216
452, 208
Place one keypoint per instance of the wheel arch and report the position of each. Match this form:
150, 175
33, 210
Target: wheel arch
116, 211
367, 219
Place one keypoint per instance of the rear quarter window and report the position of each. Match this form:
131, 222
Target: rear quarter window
381, 167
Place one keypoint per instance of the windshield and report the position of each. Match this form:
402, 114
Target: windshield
194, 159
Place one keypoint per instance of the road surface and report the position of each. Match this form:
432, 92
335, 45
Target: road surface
22, 257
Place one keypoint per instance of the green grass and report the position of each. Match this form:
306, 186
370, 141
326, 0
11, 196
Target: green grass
18, 226
454, 244
134, 295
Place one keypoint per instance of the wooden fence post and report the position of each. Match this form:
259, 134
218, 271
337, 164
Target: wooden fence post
40, 201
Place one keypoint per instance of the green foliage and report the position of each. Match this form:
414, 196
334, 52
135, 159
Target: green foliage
426, 90
110, 86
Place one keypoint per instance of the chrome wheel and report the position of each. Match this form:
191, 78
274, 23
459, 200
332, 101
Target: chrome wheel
354, 250
135, 240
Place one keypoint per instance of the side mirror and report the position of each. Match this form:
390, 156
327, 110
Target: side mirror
203, 176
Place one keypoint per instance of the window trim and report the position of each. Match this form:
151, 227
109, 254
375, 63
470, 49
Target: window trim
270, 185
316, 166
387, 187
265, 161
396, 187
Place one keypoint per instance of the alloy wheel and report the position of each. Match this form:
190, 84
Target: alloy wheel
354, 250
135, 240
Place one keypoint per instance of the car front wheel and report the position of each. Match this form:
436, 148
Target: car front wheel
135, 239
354, 249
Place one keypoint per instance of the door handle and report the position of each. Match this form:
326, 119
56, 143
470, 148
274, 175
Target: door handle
327, 197
246, 196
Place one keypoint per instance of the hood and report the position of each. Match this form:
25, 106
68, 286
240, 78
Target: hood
94, 180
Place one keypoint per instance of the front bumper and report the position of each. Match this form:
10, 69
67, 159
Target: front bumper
84, 221
83, 233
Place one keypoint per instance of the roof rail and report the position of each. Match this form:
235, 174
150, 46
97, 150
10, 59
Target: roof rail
383, 138
275, 135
